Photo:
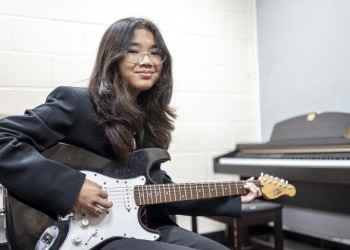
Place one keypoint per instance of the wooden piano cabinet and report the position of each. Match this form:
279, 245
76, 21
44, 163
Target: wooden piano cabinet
312, 152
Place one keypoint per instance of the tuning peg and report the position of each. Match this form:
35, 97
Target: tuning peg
282, 180
276, 178
261, 174
285, 184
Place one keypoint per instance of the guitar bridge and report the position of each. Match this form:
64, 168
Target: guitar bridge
47, 238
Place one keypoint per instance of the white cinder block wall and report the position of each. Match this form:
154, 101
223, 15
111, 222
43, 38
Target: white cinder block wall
47, 43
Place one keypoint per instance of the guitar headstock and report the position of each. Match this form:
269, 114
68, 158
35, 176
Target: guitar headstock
273, 187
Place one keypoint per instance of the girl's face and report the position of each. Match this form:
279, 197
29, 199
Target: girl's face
141, 74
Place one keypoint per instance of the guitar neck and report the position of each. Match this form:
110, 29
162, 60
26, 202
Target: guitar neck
164, 193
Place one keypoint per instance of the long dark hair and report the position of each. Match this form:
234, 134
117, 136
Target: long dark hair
149, 119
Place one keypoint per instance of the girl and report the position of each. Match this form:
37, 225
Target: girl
125, 107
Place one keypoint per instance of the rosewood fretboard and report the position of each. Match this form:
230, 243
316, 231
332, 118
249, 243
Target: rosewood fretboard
164, 193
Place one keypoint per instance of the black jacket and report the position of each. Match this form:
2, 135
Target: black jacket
69, 116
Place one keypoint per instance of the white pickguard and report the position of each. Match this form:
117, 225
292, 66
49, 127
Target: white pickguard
121, 220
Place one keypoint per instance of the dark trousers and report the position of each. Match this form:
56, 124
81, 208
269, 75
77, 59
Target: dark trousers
172, 238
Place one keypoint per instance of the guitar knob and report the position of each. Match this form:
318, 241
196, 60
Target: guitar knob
76, 239
83, 223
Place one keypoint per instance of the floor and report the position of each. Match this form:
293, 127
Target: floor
2, 239
288, 245
260, 242
265, 242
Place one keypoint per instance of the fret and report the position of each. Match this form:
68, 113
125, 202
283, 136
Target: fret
196, 190
143, 194
209, 189
182, 190
168, 193
160, 195
205, 190
149, 194
174, 192
223, 189
155, 192
177, 191
139, 193
163, 187
229, 187
191, 191
185, 192
201, 191
180, 193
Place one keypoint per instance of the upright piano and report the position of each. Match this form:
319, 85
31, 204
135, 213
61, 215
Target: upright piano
312, 152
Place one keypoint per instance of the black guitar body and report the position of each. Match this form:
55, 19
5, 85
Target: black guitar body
26, 224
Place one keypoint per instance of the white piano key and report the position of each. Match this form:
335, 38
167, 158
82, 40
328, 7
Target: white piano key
285, 162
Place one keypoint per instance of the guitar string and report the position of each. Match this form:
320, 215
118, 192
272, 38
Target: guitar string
158, 193
117, 194
180, 185
162, 193
172, 187
177, 190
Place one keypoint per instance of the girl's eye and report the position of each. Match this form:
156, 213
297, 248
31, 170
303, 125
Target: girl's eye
133, 51
155, 52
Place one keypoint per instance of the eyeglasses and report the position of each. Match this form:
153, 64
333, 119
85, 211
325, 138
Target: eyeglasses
155, 55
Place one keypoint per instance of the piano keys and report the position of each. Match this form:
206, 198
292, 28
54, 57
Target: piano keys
331, 171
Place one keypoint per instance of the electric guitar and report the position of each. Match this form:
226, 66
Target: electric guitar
129, 187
